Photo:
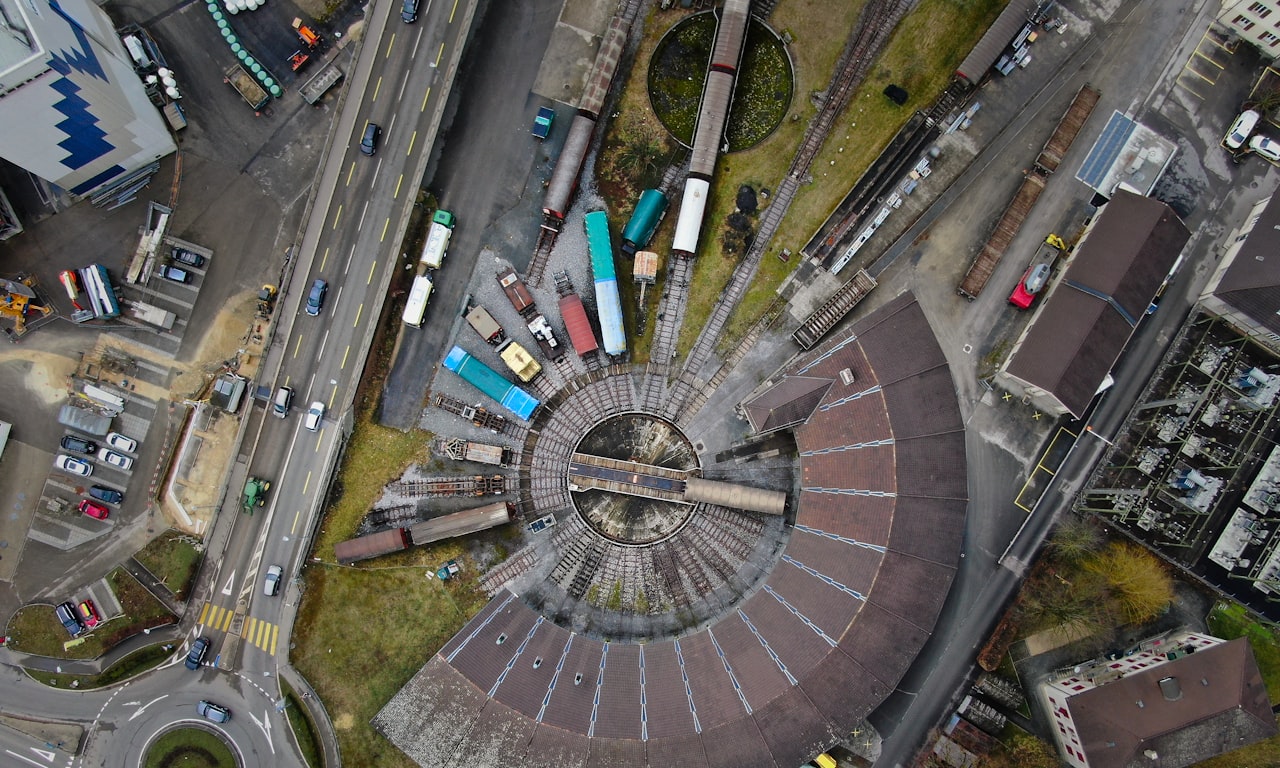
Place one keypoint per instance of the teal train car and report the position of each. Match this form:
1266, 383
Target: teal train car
644, 221
485, 379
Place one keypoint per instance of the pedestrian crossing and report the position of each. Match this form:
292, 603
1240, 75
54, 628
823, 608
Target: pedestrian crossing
262, 634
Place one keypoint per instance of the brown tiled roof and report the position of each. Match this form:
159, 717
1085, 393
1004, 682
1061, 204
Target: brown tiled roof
1088, 317
1223, 706
786, 671
788, 402
1251, 283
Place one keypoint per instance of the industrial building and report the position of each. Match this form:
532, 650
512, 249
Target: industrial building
1064, 357
1245, 288
72, 110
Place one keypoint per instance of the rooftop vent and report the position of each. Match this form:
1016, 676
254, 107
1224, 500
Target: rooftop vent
1170, 689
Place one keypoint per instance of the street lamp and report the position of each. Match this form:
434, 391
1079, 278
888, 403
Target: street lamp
1090, 430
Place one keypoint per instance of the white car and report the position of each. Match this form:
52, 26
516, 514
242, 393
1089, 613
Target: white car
1268, 149
117, 460
74, 466
121, 442
314, 415
272, 583
1241, 128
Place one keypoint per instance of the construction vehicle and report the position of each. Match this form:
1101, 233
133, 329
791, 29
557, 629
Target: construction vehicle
307, 34
266, 300
255, 493
297, 60
17, 300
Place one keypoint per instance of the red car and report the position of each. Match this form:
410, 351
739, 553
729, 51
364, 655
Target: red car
96, 511
88, 614
1029, 285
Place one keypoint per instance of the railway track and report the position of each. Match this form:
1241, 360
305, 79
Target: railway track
671, 308
541, 255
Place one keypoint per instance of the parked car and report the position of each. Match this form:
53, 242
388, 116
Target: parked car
78, 444
281, 402
175, 274
272, 584
96, 511
315, 414
88, 613
117, 460
315, 299
409, 11
195, 656
1266, 148
121, 442
103, 493
211, 711
369, 142
66, 614
74, 466
1241, 128
191, 259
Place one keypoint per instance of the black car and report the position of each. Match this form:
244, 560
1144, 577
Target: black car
67, 615
195, 656
369, 143
315, 299
103, 493
409, 11
190, 258
170, 272
79, 445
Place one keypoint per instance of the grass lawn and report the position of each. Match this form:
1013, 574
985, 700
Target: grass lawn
135, 663
35, 629
1229, 621
189, 748
304, 730
172, 558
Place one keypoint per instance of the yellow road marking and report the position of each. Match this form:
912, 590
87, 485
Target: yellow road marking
306, 483
324, 259
372, 267
204, 612
337, 216
295, 522
377, 87
390, 44
425, 96
334, 393
344, 361
412, 139
386, 224
298, 346
359, 309
351, 172
396, 196
452, 12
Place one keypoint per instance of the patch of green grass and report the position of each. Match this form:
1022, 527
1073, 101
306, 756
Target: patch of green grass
189, 748
135, 663
35, 629
172, 557
304, 731
1230, 620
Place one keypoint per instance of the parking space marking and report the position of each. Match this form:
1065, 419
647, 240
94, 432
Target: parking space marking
372, 267
359, 310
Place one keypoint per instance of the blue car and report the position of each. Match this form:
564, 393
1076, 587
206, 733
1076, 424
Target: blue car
315, 299
195, 656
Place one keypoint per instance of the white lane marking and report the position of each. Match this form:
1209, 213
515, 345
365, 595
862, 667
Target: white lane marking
265, 725
143, 708
23, 759
226, 588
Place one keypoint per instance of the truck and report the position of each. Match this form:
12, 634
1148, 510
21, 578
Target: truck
517, 292
328, 76
437, 245
542, 123
484, 324
255, 493
519, 361
253, 94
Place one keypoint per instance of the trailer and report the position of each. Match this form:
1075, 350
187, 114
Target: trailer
474, 414
546, 338
415, 308
373, 545
518, 359
1069, 127
517, 292
149, 314
459, 449
980, 270
253, 94
485, 379
437, 245
484, 324
328, 76
461, 523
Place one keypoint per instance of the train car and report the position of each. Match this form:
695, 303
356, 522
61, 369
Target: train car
485, 379
373, 545
579, 327
608, 304
437, 245
484, 324
564, 179
650, 209
461, 523
416, 306
517, 292
521, 363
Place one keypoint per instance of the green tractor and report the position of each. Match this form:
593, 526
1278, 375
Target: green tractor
255, 493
